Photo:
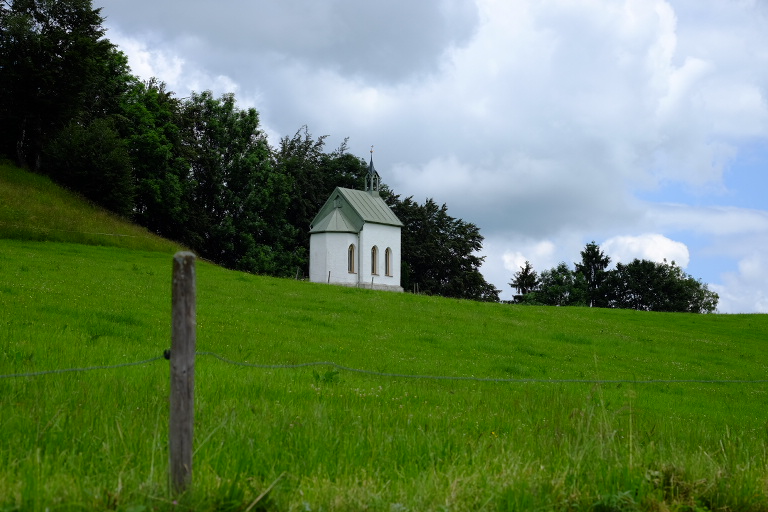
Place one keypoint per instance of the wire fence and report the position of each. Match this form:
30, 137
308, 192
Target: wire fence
86, 369
340, 367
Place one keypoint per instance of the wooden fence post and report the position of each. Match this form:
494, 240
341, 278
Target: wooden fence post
182, 359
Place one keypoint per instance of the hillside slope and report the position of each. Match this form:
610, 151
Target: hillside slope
32, 207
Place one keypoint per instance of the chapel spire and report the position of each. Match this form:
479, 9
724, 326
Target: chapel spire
373, 180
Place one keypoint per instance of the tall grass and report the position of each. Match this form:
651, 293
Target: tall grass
321, 438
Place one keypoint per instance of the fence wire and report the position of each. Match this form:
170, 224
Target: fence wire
33, 228
396, 375
86, 369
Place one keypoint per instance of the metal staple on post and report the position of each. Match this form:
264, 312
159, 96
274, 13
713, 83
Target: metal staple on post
182, 358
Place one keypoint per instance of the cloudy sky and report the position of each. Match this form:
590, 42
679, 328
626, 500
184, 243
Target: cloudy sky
639, 124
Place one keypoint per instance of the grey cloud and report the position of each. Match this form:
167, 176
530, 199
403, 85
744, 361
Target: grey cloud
382, 42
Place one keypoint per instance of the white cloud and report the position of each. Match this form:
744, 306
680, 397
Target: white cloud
649, 246
170, 68
745, 289
506, 254
538, 252
147, 63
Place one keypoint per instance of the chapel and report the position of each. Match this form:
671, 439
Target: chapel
355, 239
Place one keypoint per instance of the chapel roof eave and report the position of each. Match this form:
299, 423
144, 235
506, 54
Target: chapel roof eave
334, 222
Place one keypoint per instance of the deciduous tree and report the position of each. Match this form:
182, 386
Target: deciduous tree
151, 124
55, 68
93, 160
237, 201
439, 252
651, 286
560, 286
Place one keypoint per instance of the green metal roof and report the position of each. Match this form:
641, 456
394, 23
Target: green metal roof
336, 221
347, 210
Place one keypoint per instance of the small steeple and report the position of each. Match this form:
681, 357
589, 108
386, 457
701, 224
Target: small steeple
373, 180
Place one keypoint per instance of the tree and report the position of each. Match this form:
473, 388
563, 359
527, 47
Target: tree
93, 160
699, 297
313, 175
300, 159
593, 267
55, 68
525, 281
151, 125
560, 286
439, 252
650, 286
238, 203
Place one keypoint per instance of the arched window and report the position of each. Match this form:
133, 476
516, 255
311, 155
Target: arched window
375, 260
388, 262
351, 259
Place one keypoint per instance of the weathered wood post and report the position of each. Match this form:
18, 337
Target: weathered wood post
182, 359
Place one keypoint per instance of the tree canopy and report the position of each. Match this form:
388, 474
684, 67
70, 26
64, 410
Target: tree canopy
652, 286
237, 201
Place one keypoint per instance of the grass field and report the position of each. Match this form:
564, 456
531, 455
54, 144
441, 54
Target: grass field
323, 438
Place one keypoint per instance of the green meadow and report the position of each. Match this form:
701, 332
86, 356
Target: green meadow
457, 405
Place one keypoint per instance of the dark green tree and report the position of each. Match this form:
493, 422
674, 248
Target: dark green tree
698, 297
151, 125
237, 202
593, 267
314, 174
650, 286
93, 160
439, 252
560, 286
300, 158
525, 281
55, 68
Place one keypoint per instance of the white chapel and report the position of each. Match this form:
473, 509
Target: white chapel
355, 239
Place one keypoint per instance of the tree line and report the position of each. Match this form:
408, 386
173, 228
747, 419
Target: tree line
198, 170
641, 284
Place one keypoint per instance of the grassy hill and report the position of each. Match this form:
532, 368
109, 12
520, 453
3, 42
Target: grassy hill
534, 409
34, 208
